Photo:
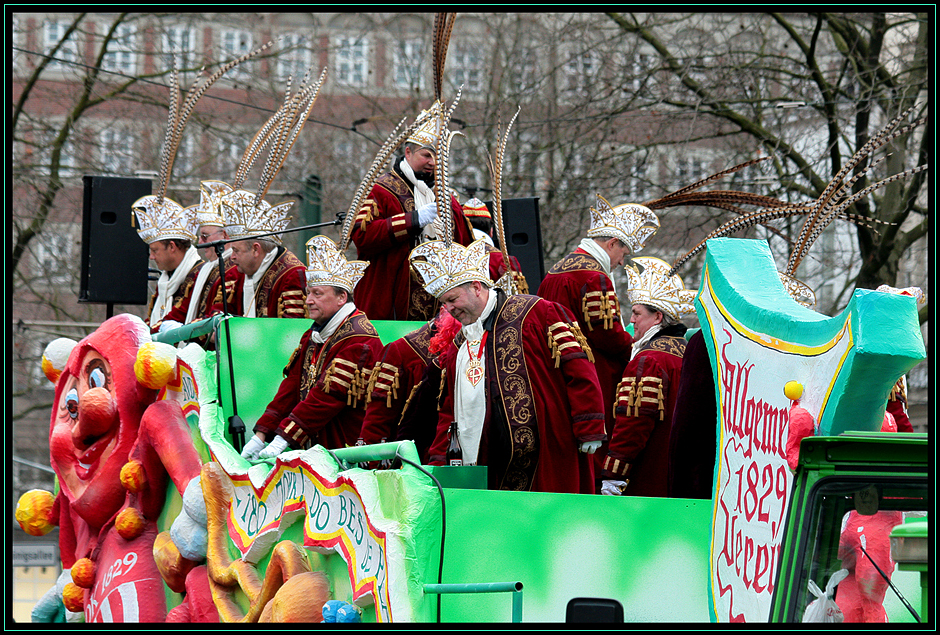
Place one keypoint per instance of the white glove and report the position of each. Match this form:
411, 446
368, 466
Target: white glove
167, 325
589, 447
613, 488
427, 214
251, 449
278, 445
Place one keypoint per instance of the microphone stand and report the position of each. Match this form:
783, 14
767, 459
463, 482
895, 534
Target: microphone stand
236, 427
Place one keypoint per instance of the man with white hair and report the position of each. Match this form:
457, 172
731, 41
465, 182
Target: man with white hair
637, 459
321, 399
521, 392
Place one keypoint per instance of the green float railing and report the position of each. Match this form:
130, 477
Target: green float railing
484, 587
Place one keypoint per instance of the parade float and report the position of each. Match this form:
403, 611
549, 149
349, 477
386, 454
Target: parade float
160, 519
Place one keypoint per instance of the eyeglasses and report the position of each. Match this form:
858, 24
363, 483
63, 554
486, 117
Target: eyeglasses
204, 237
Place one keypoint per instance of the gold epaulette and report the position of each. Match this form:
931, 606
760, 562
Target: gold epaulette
563, 336
601, 305
292, 304
898, 392
631, 394
522, 286
366, 213
347, 375
384, 381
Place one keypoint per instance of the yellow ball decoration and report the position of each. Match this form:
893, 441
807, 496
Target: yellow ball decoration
155, 364
34, 512
793, 390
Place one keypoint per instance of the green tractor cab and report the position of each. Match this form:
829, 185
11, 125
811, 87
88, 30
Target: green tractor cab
851, 494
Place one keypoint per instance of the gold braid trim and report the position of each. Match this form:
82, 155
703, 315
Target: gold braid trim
413, 392
440, 390
390, 382
582, 340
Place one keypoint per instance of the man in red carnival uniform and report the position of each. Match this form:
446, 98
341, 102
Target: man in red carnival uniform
582, 283
321, 399
212, 228
398, 214
519, 383
637, 459
273, 283
170, 231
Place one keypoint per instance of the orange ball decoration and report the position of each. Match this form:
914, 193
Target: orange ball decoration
73, 597
129, 523
133, 477
34, 512
83, 573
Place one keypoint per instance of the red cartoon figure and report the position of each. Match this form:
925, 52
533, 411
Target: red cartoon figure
118, 435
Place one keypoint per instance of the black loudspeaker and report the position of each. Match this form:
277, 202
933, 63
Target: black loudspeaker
524, 237
594, 610
114, 258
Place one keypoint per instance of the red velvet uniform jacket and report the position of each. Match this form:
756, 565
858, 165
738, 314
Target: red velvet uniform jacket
897, 406
578, 283
282, 290
385, 231
646, 398
543, 399
181, 299
392, 402
321, 399
210, 302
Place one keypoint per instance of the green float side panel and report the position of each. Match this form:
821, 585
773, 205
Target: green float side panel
650, 554
261, 348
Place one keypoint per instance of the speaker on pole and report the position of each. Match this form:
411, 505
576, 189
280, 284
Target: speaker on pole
114, 258
524, 237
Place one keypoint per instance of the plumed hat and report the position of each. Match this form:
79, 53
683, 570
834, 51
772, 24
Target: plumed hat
326, 265
209, 211
443, 267
245, 216
163, 220
631, 223
653, 286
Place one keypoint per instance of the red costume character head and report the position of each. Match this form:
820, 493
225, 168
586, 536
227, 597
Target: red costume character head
96, 416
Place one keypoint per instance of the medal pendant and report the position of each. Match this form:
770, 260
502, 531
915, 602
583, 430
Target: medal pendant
474, 372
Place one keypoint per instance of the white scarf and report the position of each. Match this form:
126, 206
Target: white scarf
603, 259
204, 272
423, 196
321, 336
167, 285
470, 400
248, 291
650, 332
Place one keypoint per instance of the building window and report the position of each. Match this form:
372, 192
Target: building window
53, 33
408, 62
467, 67
122, 54
229, 156
294, 59
53, 255
116, 147
179, 45
689, 170
352, 61
234, 45
580, 71
524, 76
